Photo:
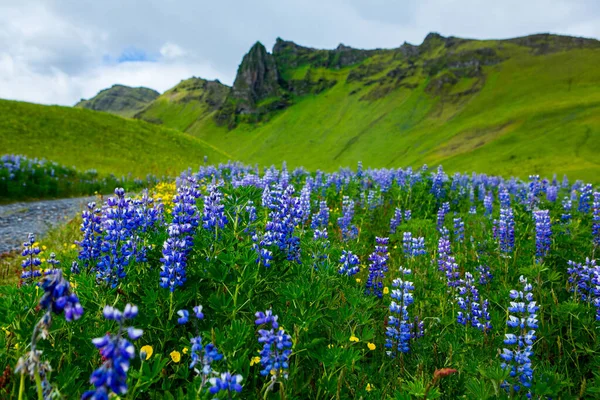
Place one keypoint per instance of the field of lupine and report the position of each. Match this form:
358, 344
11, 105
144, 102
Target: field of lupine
382, 284
23, 178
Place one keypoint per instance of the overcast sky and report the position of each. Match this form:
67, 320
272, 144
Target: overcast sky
58, 51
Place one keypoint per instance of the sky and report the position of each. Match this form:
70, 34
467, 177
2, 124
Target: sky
60, 51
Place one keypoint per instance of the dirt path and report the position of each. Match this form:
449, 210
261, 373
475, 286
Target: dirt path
17, 220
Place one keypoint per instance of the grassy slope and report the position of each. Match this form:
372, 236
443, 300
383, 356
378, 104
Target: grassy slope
535, 114
88, 139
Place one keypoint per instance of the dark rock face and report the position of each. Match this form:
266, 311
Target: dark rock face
256, 79
464, 63
120, 100
545, 43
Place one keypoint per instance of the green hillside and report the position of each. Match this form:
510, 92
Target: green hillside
120, 100
91, 140
189, 101
510, 107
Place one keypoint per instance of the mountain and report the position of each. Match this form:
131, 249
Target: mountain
191, 100
107, 143
120, 100
512, 107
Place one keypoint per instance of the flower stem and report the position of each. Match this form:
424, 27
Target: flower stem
38, 384
22, 386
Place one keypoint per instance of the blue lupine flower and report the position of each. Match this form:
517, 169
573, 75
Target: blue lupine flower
117, 352
504, 198
452, 272
177, 247
276, 350
473, 210
485, 275
585, 282
251, 210
459, 229
596, 219
214, 211
413, 246
204, 355
75, 268
437, 187
321, 219
552, 193
198, 312
506, 230
474, 311
567, 206
441, 215
407, 215
396, 220
31, 261
91, 242
349, 231
523, 319
58, 297
444, 249
184, 316
543, 232
118, 221
399, 330
226, 383
488, 204
377, 268
585, 199
350, 263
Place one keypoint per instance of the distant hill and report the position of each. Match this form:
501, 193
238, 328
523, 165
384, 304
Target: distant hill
189, 101
120, 100
91, 140
512, 107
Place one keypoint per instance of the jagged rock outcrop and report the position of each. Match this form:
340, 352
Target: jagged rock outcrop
257, 79
121, 100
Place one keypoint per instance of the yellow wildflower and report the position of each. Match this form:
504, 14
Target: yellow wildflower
254, 360
16, 346
175, 356
185, 350
358, 280
330, 346
386, 290
73, 246
371, 346
148, 350
369, 387
354, 339
44, 247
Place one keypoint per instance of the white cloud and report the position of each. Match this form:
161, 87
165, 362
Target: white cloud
57, 51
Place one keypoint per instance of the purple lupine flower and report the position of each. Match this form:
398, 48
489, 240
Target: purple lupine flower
585, 282
407, 215
523, 319
276, 350
181, 230
349, 231
485, 275
552, 193
118, 222
506, 230
396, 220
459, 230
226, 382
91, 242
596, 219
413, 246
474, 311
488, 204
504, 198
117, 352
58, 297
321, 219
377, 268
441, 215
585, 199
567, 206
148, 214
437, 187
452, 273
399, 330
30, 252
214, 217
350, 263
543, 232
444, 249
